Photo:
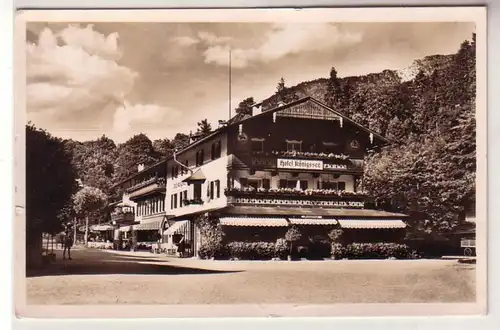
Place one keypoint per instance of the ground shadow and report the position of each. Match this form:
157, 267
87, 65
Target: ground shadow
104, 263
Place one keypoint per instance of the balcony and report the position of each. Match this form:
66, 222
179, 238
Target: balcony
147, 187
293, 197
192, 202
123, 217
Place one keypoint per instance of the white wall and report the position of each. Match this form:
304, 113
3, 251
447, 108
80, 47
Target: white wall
212, 169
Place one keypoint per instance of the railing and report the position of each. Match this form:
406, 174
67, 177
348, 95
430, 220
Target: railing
192, 202
152, 185
292, 197
301, 154
157, 180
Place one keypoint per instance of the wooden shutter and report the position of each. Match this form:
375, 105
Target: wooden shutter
217, 185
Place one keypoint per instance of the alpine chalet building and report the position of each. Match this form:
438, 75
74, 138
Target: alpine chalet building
299, 164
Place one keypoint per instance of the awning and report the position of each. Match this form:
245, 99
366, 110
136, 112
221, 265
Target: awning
102, 227
196, 177
269, 211
371, 223
253, 222
125, 228
176, 227
152, 225
312, 221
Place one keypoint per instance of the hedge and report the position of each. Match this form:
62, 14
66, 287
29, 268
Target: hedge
373, 251
246, 250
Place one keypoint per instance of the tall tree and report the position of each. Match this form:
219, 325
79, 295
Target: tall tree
333, 97
137, 150
180, 141
245, 106
281, 86
163, 147
204, 128
50, 183
89, 203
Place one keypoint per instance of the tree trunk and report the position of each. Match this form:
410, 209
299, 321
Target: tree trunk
74, 230
86, 230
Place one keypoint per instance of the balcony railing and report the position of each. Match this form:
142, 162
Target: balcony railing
301, 154
192, 202
298, 198
159, 181
293, 193
147, 187
123, 217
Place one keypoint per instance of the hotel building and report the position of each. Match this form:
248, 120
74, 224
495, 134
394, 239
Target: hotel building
298, 164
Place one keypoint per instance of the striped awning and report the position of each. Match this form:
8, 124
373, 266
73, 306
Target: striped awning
102, 227
151, 225
253, 222
372, 223
313, 221
176, 227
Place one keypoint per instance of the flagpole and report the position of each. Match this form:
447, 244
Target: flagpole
229, 84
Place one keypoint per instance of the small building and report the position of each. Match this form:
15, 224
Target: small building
299, 164
139, 211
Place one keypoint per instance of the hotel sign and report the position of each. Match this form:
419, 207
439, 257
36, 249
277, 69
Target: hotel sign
300, 164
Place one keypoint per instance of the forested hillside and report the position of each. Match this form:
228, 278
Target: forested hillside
427, 111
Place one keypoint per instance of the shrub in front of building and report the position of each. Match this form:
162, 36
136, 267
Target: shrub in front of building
281, 248
251, 250
375, 251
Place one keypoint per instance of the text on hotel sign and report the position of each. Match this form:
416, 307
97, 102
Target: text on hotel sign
300, 164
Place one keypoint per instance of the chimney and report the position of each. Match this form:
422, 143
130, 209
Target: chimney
222, 123
256, 109
281, 103
140, 167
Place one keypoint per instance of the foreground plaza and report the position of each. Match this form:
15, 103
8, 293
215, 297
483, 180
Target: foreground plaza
118, 277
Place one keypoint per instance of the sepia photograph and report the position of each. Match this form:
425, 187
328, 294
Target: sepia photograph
315, 158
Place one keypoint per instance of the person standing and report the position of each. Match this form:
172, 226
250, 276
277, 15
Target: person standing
68, 241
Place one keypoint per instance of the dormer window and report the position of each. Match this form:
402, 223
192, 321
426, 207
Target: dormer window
257, 145
293, 145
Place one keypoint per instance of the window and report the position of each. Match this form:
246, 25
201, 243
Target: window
243, 182
212, 185
218, 149
200, 157
284, 183
303, 184
266, 183
333, 185
175, 171
330, 147
293, 145
253, 183
197, 191
181, 201
341, 186
257, 145
175, 201
217, 187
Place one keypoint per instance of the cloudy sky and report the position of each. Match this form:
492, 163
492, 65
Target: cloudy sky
120, 79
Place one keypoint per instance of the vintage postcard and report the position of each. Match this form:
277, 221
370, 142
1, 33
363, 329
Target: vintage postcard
251, 162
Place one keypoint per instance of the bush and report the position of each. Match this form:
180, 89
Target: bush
373, 251
252, 250
281, 248
208, 251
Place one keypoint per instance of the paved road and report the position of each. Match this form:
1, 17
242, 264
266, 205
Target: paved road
100, 277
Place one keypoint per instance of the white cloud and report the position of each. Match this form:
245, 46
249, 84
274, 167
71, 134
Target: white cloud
186, 40
211, 38
283, 40
75, 70
149, 114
